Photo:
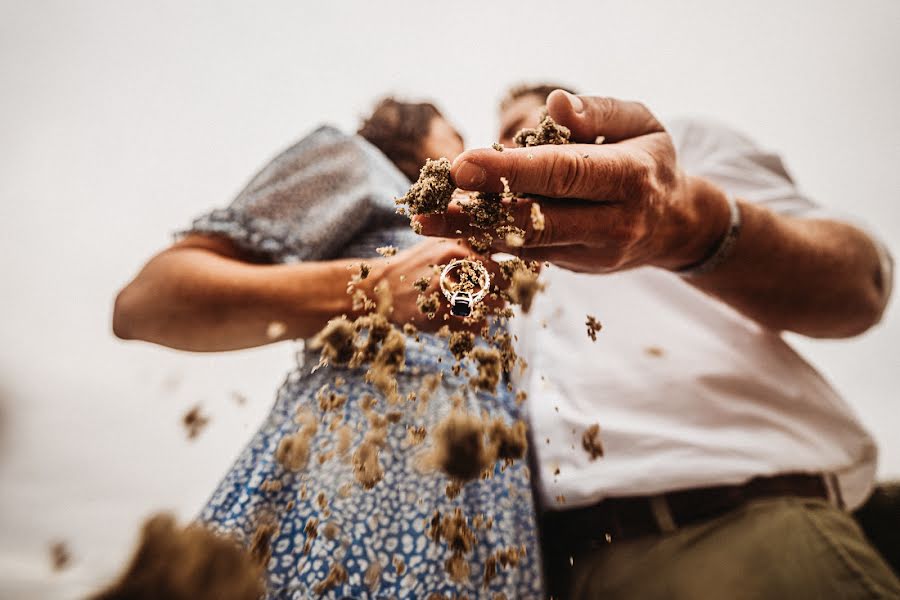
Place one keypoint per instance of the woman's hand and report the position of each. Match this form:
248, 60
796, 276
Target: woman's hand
424, 260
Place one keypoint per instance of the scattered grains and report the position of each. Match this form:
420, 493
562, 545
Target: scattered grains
461, 343
372, 576
593, 326
271, 485
261, 544
415, 435
337, 575
194, 421
509, 442
428, 304
460, 539
523, 288
60, 557
330, 400
453, 488
344, 437
497, 146
590, 441
336, 341
386, 250
399, 565
490, 369
293, 449
388, 362
331, 531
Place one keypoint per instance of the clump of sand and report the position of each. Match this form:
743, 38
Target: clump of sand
190, 563
490, 368
293, 449
548, 131
337, 575
591, 442
593, 326
458, 447
366, 464
194, 422
461, 343
336, 341
432, 192
465, 445
455, 532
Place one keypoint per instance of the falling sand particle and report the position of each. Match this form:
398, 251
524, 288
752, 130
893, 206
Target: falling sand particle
590, 441
461, 343
537, 217
490, 367
386, 250
275, 330
271, 485
194, 421
336, 341
459, 449
293, 449
373, 575
337, 575
190, 563
593, 326
523, 288
60, 557
454, 530
261, 544
654, 351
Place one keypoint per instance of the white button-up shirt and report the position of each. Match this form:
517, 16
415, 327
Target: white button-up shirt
687, 391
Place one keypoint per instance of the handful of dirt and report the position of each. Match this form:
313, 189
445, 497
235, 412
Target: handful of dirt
431, 193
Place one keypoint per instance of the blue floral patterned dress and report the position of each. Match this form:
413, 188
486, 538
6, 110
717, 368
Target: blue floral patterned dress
329, 196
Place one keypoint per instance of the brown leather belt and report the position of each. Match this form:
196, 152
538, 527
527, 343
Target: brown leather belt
622, 518
567, 533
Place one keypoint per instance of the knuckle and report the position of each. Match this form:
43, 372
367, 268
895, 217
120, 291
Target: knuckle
604, 109
567, 174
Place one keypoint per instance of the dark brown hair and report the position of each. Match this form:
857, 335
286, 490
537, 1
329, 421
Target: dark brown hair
399, 129
527, 89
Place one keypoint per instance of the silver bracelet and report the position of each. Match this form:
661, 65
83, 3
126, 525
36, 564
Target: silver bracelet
723, 249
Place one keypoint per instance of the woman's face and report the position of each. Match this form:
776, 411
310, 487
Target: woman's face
442, 140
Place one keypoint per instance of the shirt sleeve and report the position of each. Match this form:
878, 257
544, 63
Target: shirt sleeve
309, 201
738, 165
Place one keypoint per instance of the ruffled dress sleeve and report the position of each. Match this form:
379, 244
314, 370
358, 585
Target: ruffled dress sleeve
310, 200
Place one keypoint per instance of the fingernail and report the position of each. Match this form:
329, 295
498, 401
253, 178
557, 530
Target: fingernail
470, 174
575, 102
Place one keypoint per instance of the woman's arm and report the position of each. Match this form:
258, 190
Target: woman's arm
202, 295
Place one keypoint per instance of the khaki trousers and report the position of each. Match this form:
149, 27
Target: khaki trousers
768, 549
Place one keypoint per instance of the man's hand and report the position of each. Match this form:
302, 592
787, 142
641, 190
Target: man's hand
617, 205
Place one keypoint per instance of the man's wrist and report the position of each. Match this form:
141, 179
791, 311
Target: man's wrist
695, 224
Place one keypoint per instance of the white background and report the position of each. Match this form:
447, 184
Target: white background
119, 121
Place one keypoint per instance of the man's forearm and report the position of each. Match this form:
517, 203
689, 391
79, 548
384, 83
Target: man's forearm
194, 298
815, 277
